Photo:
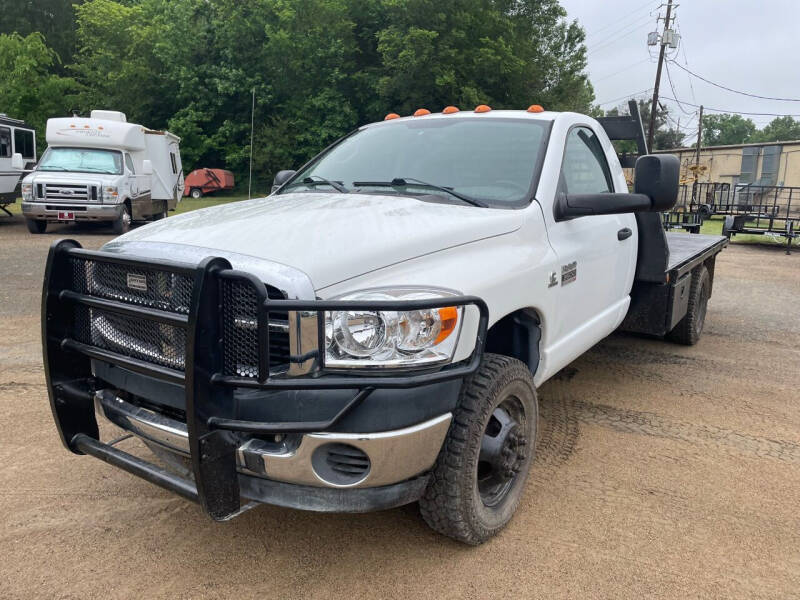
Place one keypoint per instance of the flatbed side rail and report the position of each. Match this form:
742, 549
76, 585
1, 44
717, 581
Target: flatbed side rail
186, 310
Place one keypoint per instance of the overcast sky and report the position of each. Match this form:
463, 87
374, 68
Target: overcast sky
749, 45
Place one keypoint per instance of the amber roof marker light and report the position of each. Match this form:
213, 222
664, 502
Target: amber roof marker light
535, 108
391, 116
482, 108
421, 112
449, 110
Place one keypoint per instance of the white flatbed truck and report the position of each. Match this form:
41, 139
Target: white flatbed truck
373, 332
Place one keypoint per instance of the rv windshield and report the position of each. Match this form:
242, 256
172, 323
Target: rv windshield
82, 160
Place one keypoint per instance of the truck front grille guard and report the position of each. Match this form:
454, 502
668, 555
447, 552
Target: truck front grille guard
213, 364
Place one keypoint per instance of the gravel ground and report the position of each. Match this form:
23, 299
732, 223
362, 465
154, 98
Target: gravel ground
662, 471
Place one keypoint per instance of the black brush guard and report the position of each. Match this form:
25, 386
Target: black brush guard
212, 430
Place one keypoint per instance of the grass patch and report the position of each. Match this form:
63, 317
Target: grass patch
713, 226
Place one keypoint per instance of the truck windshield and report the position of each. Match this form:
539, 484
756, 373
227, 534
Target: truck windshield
82, 160
492, 161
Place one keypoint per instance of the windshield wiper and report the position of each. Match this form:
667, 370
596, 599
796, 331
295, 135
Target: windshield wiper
406, 181
48, 168
334, 184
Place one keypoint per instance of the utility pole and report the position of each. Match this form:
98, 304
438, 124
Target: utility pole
654, 105
699, 138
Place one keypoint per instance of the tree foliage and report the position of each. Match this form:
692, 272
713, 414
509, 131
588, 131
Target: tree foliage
318, 68
724, 129
780, 129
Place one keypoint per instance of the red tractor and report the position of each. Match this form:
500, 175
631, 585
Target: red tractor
205, 181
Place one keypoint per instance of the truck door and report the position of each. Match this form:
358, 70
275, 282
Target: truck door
596, 254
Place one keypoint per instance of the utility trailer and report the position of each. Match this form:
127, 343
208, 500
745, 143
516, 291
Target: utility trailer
682, 215
207, 181
769, 210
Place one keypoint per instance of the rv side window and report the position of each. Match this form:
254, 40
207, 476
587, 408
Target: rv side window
23, 143
5, 142
174, 164
129, 163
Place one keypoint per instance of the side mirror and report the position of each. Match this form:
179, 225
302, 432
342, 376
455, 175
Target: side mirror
656, 186
147, 167
16, 162
657, 176
281, 178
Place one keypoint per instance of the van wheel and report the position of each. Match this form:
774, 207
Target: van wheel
196, 193
480, 474
36, 225
123, 222
162, 214
689, 329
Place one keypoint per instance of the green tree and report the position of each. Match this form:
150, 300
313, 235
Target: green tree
780, 129
725, 129
29, 89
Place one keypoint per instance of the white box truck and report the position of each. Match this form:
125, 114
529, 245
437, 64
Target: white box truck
17, 153
103, 168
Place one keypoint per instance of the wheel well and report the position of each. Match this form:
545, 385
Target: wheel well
517, 335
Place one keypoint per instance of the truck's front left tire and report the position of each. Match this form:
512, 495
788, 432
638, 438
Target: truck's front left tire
36, 225
483, 465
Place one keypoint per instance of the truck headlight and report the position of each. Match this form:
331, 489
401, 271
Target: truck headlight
110, 193
27, 192
407, 338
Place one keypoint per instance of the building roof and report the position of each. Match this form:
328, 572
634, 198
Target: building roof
727, 147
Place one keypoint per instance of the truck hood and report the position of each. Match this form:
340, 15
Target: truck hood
331, 237
50, 177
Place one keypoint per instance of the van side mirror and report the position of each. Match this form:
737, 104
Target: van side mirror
16, 162
281, 178
147, 167
657, 176
655, 189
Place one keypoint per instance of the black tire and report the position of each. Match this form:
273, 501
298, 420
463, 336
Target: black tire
161, 214
690, 328
467, 498
196, 193
123, 222
36, 225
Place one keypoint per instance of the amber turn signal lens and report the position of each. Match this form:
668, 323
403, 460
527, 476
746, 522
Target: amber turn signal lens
535, 108
449, 317
449, 110
391, 116
421, 112
482, 108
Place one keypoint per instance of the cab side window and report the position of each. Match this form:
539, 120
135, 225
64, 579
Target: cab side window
585, 169
129, 163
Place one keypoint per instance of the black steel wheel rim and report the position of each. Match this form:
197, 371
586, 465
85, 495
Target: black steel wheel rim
503, 451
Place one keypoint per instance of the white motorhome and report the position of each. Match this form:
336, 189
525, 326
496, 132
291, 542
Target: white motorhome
103, 168
17, 152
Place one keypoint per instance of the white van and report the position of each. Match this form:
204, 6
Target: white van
17, 152
103, 169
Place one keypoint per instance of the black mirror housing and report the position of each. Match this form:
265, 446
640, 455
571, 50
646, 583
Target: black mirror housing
570, 206
282, 177
657, 176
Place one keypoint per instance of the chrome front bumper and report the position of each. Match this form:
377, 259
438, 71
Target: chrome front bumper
82, 211
394, 456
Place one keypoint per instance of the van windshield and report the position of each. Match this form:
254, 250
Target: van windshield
81, 160
491, 161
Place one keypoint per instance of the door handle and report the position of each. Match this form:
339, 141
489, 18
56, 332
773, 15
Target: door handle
624, 233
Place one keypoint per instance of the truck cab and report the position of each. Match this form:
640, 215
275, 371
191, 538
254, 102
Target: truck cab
372, 333
102, 168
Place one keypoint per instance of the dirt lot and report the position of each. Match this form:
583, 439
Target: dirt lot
662, 471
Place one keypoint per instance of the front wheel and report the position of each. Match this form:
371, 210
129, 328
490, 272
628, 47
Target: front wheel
123, 222
36, 225
483, 465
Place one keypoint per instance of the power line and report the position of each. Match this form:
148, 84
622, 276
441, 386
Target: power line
736, 112
731, 89
622, 70
646, 7
635, 24
610, 44
631, 95
672, 87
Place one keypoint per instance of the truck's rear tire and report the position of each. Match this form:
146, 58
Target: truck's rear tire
196, 193
123, 222
162, 212
36, 225
483, 465
690, 328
